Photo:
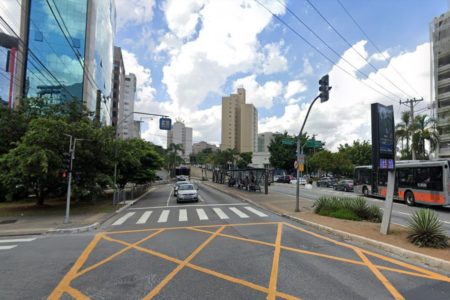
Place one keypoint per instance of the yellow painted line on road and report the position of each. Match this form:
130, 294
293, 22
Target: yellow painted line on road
388, 285
120, 252
64, 284
275, 264
172, 274
76, 294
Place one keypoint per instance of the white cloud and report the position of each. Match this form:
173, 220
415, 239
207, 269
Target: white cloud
307, 67
134, 12
380, 56
259, 95
346, 116
10, 11
272, 61
294, 87
203, 64
145, 91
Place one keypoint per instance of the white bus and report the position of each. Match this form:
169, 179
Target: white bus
426, 182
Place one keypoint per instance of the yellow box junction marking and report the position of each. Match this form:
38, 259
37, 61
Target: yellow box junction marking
64, 285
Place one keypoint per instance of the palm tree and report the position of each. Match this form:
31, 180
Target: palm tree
403, 131
423, 130
173, 158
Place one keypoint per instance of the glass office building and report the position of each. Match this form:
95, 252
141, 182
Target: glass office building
70, 51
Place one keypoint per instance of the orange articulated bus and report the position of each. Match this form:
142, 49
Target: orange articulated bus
426, 182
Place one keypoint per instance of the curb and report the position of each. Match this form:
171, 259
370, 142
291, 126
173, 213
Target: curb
430, 261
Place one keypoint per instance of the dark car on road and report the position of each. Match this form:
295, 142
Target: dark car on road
344, 185
326, 182
285, 179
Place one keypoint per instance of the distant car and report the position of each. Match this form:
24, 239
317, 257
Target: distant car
182, 178
285, 179
177, 186
301, 180
187, 192
344, 185
326, 182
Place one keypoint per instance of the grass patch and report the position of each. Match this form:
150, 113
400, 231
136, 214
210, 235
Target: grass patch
53, 207
355, 209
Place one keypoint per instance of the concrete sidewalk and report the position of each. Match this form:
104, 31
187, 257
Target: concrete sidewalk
362, 232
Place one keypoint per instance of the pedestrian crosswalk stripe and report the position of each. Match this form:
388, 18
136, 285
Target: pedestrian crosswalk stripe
164, 215
182, 216
238, 212
201, 214
17, 240
144, 218
7, 247
220, 213
122, 220
256, 212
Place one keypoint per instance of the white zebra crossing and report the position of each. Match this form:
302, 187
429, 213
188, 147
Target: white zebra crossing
13, 241
200, 215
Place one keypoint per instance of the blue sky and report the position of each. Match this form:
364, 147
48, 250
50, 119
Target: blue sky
187, 54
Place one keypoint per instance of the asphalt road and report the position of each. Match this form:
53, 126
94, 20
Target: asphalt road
219, 248
400, 212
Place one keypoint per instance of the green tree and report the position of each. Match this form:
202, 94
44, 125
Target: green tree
403, 132
13, 126
244, 160
359, 153
283, 156
424, 131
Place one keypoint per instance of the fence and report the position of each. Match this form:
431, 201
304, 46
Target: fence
130, 193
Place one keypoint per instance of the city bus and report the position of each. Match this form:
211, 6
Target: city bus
425, 182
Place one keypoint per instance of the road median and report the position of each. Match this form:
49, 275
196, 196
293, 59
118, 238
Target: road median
362, 232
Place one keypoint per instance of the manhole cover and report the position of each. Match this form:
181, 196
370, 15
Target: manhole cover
7, 222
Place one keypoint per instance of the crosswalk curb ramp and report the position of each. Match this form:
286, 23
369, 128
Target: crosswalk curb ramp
181, 214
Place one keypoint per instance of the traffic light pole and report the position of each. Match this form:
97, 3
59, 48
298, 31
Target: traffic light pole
69, 182
299, 153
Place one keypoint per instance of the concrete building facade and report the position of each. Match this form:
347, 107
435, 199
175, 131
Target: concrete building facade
180, 134
118, 85
264, 140
239, 123
200, 146
440, 39
126, 125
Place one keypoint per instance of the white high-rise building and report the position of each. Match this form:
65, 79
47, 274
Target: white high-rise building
180, 134
126, 126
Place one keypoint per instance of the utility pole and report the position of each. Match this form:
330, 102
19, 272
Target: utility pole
411, 103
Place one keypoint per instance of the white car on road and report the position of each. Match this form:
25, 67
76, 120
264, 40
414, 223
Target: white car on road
300, 181
187, 192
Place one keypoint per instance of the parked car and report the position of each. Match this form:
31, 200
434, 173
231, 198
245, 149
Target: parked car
285, 179
187, 192
344, 185
326, 182
177, 186
301, 180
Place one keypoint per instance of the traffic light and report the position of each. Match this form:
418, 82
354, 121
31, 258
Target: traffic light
66, 161
324, 88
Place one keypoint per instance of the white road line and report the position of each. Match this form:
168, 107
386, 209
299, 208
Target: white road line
144, 218
256, 212
220, 213
17, 240
201, 214
7, 247
122, 220
201, 198
187, 205
170, 196
238, 212
182, 215
164, 215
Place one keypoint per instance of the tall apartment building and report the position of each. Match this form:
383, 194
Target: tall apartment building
200, 146
8, 51
239, 123
264, 140
67, 52
118, 85
126, 124
440, 38
180, 134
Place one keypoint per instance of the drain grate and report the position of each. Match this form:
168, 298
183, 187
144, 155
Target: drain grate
7, 222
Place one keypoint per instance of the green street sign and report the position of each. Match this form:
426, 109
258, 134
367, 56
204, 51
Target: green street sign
288, 142
313, 144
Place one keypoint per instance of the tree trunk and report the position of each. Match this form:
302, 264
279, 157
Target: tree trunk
40, 196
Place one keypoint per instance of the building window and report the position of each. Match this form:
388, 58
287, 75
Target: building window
38, 36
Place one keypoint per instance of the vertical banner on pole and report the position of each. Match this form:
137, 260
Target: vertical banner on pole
383, 156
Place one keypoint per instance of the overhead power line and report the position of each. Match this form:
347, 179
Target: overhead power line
320, 52
376, 47
353, 48
335, 52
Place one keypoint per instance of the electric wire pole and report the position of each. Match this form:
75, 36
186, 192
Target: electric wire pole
411, 103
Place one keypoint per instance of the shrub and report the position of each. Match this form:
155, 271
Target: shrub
425, 230
347, 208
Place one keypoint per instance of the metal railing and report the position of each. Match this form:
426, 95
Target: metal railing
129, 193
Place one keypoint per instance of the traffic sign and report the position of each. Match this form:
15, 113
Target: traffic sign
288, 142
165, 123
301, 159
301, 167
313, 144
